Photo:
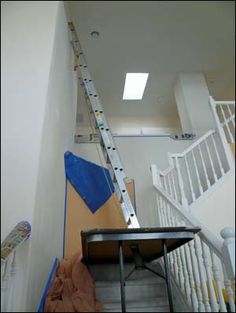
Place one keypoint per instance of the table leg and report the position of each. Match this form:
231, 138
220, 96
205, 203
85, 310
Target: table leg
122, 281
168, 284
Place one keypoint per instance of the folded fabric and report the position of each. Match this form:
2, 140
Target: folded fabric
91, 181
72, 289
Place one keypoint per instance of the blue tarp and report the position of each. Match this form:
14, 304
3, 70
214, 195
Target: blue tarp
91, 181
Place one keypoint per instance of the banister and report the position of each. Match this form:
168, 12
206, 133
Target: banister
209, 238
224, 102
204, 234
19, 234
192, 146
182, 154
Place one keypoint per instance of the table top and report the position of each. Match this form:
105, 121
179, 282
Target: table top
101, 245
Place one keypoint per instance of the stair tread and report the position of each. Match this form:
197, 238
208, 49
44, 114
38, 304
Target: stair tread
112, 273
136, 282
146, 309
160, 301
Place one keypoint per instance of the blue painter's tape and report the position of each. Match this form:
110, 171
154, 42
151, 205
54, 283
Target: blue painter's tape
64, 227
45, 291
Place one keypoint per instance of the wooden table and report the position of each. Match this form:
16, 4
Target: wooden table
134, 244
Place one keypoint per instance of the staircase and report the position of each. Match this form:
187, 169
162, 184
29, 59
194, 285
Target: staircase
145, 292
203, 271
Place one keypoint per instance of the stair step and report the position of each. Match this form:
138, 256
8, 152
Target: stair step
135, 290
152, 305
111, 272
132, 282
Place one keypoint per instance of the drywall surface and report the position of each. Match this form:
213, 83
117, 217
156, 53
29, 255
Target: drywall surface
182, 108
217, 210
38, 116
26, 51
192, 96
27, 33
137, 155
57, 137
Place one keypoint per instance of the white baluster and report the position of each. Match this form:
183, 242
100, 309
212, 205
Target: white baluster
163, 182
211, 162
180, 268
189, 178
159, 213
217, 155
229, 290
165, 213
201, 307
12, 283
4, 288
184, 200
186, 276
204, 166
169, 184
226, 124
170, 255
173, 183
168, 214
197, 173
184, 268
162, 215
212, 294
191, 279
231, 115
202, 275
176, 269
218, 283
173, 261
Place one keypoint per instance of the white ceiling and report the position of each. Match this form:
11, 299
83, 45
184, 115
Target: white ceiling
159, 37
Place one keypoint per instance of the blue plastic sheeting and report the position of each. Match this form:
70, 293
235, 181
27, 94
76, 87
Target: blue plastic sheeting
91, 181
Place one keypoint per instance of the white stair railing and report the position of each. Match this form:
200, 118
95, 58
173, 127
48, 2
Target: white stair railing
198, 168
201, 270
9, 264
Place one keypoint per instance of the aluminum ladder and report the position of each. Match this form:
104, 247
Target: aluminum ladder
104, 134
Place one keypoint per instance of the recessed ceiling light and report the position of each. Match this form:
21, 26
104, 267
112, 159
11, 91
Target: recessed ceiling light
94, 34
134, 86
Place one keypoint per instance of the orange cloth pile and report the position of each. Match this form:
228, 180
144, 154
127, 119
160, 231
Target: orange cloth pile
72, 289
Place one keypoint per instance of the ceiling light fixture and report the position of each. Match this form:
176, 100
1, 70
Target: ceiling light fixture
94, 34
134, 86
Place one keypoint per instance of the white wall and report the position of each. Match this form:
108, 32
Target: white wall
181, 106
217, 209
27, 32
57, 137
38, 120
192, 96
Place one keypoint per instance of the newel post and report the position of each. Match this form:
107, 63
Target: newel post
155, 175
228, 251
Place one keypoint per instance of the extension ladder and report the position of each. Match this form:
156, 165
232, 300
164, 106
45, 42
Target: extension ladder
104, 134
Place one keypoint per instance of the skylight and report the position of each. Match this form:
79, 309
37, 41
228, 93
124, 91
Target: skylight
134, 86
